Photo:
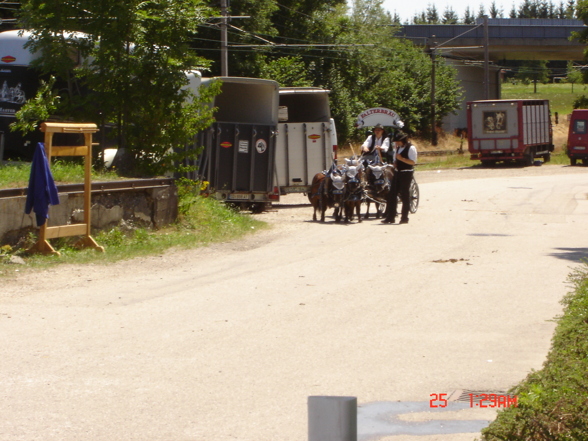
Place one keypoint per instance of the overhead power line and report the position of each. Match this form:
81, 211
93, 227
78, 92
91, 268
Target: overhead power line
300, 45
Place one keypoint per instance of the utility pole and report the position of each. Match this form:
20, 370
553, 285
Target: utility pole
486, 60
224, 40
433, 99
432, 47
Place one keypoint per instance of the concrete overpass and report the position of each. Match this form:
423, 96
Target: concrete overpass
509, 39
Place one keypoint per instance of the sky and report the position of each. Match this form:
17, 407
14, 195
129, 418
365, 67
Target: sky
406, 9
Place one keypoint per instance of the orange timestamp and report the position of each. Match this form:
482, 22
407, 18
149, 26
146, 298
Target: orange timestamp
478, 400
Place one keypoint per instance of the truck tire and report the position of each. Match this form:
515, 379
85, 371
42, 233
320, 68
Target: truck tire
488, 163
529, 157
572, 161
257, 208
547, 157
585, 161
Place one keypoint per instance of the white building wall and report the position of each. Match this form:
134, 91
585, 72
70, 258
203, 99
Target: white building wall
471, 80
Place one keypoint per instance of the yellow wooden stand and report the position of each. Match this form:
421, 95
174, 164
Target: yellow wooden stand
45, 232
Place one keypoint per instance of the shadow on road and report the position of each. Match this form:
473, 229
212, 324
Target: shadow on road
572, 254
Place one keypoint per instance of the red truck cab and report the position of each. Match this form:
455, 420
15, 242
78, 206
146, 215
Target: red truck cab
577, 147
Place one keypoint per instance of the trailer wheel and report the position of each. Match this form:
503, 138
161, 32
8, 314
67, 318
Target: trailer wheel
585, 161
547, 157
488, 163
257, 208
572, 161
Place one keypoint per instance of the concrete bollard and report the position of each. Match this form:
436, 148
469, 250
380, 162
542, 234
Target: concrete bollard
332, 418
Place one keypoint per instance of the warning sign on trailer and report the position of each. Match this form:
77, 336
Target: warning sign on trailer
261, 145
243, 146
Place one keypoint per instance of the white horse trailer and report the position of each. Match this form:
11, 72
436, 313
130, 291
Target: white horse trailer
306, 142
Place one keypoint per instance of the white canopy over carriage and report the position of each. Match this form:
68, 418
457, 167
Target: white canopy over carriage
379, 115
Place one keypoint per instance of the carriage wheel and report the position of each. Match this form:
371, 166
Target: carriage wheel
414, 196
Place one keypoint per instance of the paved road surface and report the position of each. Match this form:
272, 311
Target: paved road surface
226, 343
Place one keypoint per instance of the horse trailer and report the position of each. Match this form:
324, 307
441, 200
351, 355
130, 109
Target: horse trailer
18, 83
239, 147
507, 130
306, 141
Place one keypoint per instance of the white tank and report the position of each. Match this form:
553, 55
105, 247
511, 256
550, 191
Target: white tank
12, 51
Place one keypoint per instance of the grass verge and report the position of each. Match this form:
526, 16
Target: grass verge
559, 157
201, 221
561, 96
16, 174
553, 402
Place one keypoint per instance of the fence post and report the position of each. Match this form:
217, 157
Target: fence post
332, 418
1, 147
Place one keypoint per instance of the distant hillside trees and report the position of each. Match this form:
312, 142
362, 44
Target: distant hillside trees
526, 9
356, 56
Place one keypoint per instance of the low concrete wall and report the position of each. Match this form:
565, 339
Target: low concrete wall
149, 207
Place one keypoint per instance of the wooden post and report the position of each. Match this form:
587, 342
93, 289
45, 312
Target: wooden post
45, 232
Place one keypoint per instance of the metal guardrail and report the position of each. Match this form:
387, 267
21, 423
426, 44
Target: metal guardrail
97, 187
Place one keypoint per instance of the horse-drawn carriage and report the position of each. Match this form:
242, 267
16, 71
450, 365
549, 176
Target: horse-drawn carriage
346, 187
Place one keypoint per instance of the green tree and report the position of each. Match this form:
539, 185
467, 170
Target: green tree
468, 17
432, 14
390, 73
130, 69
495, 11
449, 16
419, 18
574, 75
571, 10
561, 10
288, 71
582, 14
527, 9
534, 71
270, 21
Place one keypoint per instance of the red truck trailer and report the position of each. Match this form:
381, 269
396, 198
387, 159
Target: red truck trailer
509, 130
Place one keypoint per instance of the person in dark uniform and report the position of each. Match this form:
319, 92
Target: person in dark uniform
405, 158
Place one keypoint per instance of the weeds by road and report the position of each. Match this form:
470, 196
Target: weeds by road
553, 402
201, 221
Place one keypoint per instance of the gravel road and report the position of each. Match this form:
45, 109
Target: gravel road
227, 342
